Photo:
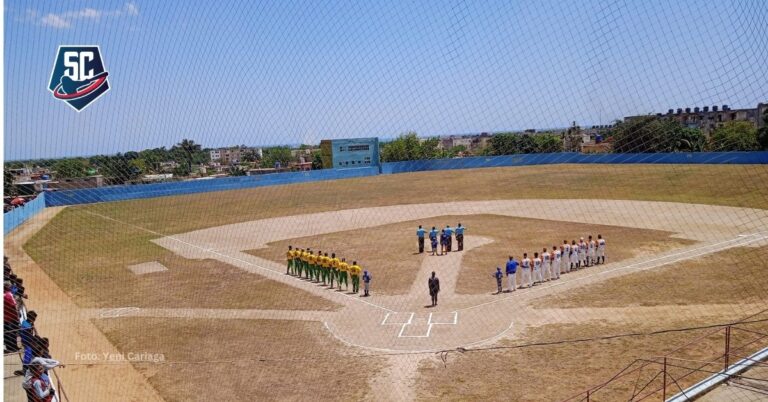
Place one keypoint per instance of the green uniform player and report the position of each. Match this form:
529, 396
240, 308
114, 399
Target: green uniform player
343, 273
354, 272
334, 268
289, 261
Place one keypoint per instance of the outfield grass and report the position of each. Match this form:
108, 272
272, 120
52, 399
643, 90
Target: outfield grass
242, 360
392, 256
738, 275
732, 185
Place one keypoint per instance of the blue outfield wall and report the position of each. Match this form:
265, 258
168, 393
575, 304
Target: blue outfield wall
19, 215
574, 157
120, 193
129, 192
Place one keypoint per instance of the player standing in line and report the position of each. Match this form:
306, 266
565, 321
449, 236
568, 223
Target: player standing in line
460, 237
355, 270
366, 283
449, 234
567, 255
420, 237
546, 268
600, 249
311, 260
433, 234
536, 268
304, 258
512, 273
499, 278
582, 248
526, 267
574, 255
334, 269
556, 263
592, 249
320, 268
443, 243
343, 276
297, 269
433, 243
325, 266
289, 261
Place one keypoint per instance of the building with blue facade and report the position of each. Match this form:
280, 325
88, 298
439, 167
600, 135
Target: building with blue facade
350, 153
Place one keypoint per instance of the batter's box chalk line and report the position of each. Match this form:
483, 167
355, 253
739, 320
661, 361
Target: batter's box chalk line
395, 319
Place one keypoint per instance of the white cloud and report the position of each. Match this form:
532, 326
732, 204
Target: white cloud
54, 21
65, 20
131, 8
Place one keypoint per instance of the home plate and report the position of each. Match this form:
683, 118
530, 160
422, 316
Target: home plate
147, 268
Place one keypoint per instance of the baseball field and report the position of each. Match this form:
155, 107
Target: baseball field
196, 285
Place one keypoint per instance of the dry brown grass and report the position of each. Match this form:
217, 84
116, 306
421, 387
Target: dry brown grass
242, 360
556, 372
88, 257
738, 275
733, 185
393, 259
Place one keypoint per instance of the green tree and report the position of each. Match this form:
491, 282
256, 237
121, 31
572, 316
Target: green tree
545, 143
317, 160
651, 134
408, 147
735, 136
71, 168
9, 190
187, 152
762, 133
276, 154
119, 169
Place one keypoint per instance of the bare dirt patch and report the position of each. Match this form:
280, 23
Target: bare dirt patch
738, 275
88, 257
243, 359
390, 251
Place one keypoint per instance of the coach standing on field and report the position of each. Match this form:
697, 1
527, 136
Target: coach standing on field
420, 235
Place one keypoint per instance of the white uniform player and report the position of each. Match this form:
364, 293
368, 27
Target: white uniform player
536, 268
574, 255
591, 251
556, 263
567, 256
582, 253
600, 249
546, 266
525, 266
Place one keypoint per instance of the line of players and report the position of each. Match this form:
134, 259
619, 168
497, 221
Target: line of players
320, 267
563, 259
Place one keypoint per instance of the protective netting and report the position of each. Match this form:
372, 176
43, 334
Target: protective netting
170, 233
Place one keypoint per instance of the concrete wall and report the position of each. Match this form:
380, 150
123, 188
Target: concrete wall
20, 215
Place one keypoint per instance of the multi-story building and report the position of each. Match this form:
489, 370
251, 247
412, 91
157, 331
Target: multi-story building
226, 156
707, 119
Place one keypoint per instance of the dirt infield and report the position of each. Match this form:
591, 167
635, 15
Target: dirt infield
396, 271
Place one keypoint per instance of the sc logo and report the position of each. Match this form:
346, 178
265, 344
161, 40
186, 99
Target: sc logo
78, 76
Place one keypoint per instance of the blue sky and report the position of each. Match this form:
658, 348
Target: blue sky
278, 72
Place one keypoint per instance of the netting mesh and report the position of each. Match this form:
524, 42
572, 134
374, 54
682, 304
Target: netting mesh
171, 233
